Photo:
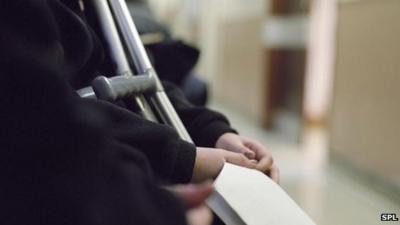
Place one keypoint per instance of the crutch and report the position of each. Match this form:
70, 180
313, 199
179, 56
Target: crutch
146, 91
144, 88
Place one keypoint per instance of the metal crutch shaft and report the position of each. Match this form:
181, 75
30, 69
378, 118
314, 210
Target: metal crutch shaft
159, 101
116, 49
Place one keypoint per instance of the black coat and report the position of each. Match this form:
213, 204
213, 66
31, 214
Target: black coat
66, 160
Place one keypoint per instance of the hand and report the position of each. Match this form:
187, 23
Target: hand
194, 196
210, 161
252, 150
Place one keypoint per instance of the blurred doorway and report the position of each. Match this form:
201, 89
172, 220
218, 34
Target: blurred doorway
285, 38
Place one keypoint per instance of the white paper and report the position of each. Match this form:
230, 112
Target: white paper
249, 197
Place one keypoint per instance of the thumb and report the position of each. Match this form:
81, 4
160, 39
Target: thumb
238, 159
241, 148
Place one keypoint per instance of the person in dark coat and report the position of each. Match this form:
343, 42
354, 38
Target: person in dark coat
60, 161
207, 128
82, 161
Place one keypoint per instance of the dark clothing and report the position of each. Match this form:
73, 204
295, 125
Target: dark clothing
59, 163
66, 160
171, 159
204, 125
173, 60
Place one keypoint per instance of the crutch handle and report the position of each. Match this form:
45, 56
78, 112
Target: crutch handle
114, 88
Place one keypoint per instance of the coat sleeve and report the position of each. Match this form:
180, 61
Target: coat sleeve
205, 126
59, 163
171, 158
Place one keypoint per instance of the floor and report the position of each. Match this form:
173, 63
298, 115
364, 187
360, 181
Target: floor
324, 190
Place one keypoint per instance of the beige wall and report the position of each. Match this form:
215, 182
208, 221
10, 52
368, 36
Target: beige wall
229, 34
230, 37
365, 121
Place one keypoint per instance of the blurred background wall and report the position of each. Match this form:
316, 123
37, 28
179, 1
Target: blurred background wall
232, 53
365, 125
289, 66
275, 61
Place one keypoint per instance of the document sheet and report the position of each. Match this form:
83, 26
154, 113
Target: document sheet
245, 196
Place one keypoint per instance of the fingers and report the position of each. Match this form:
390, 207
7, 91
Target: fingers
267, 166
234, 143
240, 148
238, 159
274, 174
250, 154
264, 157
265, 163
199, 216
265, 160
258, 157
256, 147
193, 195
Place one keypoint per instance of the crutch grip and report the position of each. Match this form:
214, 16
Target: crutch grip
111, 89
